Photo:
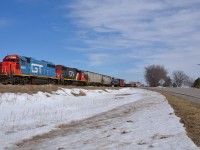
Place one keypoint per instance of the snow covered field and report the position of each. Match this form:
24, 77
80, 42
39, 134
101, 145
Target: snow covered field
152, 124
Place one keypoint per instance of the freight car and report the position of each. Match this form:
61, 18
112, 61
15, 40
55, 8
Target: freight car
69, 76
118, 82
17, 69
97, 79
107, 80
93, 78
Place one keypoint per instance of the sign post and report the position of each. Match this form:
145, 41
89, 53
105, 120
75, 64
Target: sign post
162, 81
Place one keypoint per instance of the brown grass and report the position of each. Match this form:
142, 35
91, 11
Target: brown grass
81, 93
189, 113
32, 89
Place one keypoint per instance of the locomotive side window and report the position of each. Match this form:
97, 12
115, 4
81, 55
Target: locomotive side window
28, 59
23, 63
50, 66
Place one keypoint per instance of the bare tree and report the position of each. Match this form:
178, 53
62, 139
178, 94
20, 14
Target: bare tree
179, 77
154, 73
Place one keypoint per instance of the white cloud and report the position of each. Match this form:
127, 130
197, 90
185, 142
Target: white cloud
163, 32
145, 21
97, 59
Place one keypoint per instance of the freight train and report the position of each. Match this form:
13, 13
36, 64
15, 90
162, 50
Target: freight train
17, 69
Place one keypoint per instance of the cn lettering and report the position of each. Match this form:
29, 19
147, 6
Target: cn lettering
71, 73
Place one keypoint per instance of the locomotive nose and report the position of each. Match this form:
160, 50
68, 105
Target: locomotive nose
4, 68
7, 67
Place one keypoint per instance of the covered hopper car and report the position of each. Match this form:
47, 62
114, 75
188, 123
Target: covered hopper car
106, 80
97, 79
93, 78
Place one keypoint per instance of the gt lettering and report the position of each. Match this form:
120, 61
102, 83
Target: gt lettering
36, 68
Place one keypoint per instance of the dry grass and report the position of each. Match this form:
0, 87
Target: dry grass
32, 89
189, 113
81, 93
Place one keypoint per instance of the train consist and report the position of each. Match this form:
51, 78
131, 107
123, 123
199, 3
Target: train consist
17, 69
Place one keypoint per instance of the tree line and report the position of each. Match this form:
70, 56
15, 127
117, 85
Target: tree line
154, 73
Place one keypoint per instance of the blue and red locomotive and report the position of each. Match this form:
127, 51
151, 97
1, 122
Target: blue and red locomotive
17, 69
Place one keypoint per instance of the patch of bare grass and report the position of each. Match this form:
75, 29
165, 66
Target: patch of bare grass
123, 94
49, 88
30, 89
81, 93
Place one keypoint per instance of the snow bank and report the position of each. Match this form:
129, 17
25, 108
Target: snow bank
23, 116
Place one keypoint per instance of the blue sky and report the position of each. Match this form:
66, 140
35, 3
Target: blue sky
113, 37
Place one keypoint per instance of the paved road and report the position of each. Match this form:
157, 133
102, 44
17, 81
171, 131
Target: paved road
186, 93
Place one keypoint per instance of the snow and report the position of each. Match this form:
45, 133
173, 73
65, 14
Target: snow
153, 123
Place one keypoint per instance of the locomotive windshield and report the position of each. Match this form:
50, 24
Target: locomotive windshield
11, 60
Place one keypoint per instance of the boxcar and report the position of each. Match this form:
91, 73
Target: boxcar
121, 82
